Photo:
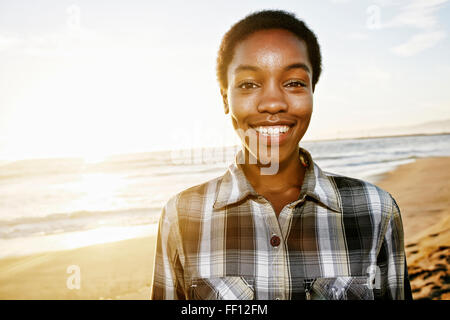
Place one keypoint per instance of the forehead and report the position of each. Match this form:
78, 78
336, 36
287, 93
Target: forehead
270, 49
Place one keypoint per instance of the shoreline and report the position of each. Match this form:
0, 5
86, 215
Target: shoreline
124, 269
60, 242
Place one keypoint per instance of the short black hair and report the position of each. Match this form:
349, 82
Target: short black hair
262, 20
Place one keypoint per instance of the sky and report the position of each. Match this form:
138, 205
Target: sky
93, 78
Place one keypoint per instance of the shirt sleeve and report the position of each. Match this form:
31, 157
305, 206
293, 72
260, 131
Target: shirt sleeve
168, 282
391, 260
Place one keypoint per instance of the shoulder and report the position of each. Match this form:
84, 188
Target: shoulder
354, 186
192, 199
363, 195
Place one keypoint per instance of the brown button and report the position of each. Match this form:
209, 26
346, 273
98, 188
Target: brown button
275, 241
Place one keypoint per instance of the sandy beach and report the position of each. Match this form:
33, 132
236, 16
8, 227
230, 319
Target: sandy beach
116, 270
422, 191
123, 270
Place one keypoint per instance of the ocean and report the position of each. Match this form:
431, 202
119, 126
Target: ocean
60, 204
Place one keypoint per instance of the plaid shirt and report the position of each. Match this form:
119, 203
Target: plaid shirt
342, 239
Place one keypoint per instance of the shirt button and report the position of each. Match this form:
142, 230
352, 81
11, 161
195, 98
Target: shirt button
275, 241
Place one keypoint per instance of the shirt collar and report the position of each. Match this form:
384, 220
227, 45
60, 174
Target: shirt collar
235, 187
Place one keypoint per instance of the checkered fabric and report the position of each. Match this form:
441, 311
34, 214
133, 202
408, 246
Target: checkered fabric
341, 239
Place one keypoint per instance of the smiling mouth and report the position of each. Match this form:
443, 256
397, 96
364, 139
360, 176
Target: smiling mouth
272, 131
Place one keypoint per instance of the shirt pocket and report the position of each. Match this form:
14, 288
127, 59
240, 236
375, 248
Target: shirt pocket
342, 288
221, 288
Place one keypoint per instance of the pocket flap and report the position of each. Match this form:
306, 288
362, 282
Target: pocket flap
221, 288
342, 288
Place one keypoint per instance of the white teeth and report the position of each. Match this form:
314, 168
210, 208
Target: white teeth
272, 130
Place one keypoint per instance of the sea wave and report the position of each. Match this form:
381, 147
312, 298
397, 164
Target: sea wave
76, 221
380, 161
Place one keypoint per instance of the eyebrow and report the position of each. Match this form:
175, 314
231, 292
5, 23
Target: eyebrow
298, 65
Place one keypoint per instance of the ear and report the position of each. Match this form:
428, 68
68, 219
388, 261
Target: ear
224, 95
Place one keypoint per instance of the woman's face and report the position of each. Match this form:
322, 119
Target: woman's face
269, 92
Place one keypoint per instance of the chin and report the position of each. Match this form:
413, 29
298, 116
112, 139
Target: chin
268, 156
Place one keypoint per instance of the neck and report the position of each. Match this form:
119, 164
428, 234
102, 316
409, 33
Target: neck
289, 175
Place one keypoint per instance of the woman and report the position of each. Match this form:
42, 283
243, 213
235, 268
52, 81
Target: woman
275, 226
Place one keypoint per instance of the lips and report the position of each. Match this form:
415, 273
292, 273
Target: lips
273, 131
267, 123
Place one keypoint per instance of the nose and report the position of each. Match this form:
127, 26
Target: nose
272, 99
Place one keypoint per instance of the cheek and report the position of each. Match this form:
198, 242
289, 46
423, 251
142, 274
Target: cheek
241, 106
302, 107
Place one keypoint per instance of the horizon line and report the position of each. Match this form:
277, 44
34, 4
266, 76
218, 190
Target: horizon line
6, 161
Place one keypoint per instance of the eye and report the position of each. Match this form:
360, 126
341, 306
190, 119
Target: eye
247, 85
295, 84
